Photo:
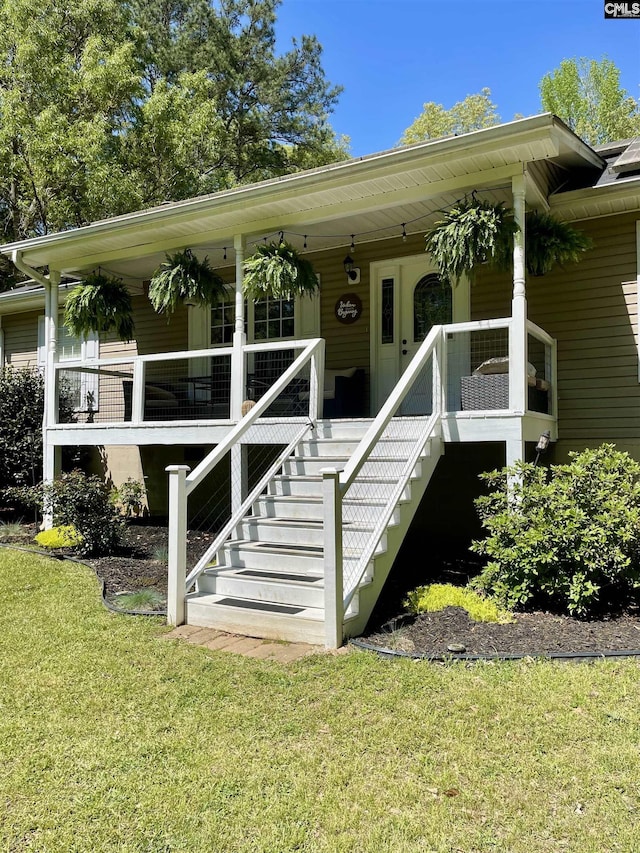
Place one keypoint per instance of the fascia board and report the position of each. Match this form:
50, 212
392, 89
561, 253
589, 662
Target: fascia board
591, 197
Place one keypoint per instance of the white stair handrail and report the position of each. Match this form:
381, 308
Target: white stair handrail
315, 347
386, 413
432, 425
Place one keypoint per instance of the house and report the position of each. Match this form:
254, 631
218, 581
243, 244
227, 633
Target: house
315, 509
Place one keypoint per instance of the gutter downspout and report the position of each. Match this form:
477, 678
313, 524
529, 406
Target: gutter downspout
51, 284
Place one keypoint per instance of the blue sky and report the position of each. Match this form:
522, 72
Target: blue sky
393, 55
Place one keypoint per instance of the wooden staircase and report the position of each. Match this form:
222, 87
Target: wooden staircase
268, 581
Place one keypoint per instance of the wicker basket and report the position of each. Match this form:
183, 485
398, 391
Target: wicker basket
485, 392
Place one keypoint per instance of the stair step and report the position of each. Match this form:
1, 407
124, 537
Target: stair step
286, 531
298, 531
271, 621
327, 447
342, 429
285, 484
253, 585
282, 576
360, 509
264, 555
298, 561
383, 466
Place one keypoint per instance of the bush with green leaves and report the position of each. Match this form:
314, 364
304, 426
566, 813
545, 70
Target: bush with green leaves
565, 538
83, 502
130, 497
21, 412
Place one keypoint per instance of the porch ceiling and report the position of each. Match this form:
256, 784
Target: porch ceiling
370, 197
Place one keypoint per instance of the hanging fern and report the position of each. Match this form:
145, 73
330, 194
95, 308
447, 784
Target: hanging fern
550, 241
99, 304
182, 277
277, 270
473, 232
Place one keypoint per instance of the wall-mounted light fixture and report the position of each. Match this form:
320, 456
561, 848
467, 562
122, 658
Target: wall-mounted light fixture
543, 444
353, 272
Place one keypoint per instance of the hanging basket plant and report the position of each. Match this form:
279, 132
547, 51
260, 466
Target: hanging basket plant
184, 278
99, 304
278, 271
550, 241
473, 232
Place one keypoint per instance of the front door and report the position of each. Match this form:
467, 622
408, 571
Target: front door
408, 298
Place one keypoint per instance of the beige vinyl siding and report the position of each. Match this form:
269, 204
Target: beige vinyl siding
21, 339
152, 332
591, 308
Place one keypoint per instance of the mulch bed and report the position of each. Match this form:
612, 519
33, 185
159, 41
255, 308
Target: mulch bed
450, 632
142, 564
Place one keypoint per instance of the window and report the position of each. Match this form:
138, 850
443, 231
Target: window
273, 319
387, 317
431, 305
223, 321
82, 388
265, 320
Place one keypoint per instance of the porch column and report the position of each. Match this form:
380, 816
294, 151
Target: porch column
518, 329
239, 336
239, 465
514, 451
177, 557
50, 454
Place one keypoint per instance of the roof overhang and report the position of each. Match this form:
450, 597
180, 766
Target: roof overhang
592, 202
369, 196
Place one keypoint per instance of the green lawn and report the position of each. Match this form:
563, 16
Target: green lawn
114, 740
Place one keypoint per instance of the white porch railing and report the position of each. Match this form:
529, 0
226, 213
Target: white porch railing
191, 385
310, 364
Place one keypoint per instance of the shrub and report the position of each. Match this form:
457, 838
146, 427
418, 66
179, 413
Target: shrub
568, 538
130, 497
437, 596
84, 502
21, 411
64, 536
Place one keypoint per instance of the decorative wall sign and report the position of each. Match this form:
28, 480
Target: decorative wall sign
348, 308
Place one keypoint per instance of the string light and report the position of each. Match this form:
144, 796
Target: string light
336, 236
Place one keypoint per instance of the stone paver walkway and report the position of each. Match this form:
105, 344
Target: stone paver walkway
249, 647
